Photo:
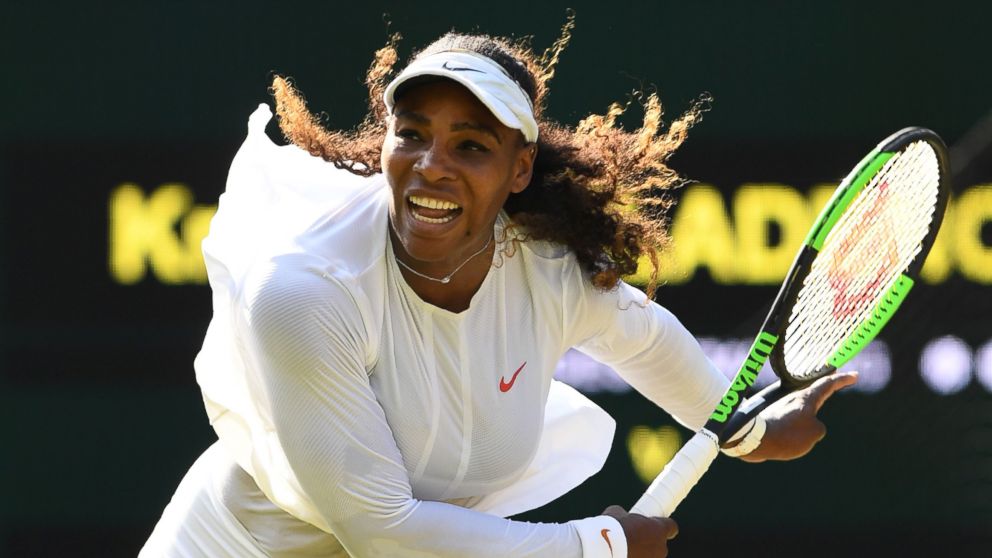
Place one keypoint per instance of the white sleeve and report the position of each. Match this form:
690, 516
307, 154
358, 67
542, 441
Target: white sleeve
646, 345
308, 340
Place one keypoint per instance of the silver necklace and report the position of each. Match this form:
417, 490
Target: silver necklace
447, 278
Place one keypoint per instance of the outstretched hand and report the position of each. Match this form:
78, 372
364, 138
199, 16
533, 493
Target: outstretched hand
793, 428
646, 536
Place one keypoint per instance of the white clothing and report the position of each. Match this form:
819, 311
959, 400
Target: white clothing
198, 522
358, 408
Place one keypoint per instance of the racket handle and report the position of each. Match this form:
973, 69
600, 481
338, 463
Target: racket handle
752, 406
675, 481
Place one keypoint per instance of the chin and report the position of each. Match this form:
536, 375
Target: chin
425, 249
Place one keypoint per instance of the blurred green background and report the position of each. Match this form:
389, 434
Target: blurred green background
101, 415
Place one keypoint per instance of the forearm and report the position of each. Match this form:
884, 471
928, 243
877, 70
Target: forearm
445, 530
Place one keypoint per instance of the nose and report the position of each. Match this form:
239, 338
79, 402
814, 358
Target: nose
434, 163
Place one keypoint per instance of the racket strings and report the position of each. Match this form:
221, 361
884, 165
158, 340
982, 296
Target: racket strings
850, 289
861, 278
869, 247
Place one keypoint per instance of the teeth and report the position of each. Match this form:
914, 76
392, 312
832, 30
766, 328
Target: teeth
431, 219
433, 203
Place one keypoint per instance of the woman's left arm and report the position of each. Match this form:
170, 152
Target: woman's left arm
653, 352
645, 344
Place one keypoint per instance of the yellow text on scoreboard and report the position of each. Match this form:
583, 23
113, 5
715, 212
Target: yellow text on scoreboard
158, 232
749, 238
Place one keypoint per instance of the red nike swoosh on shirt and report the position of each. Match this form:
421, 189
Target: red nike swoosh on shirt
607, 537
505, 386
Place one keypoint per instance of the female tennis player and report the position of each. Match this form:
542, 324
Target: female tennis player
389, 307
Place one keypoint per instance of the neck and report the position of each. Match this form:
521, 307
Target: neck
464, 278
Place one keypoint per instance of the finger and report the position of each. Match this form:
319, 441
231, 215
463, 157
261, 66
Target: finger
822, 389
822, 428
670, 526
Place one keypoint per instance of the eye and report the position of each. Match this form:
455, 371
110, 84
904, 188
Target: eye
408, 134
469, 145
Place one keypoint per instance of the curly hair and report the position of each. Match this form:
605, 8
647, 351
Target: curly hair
596, 188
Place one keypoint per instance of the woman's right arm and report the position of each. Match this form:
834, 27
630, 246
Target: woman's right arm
307, 340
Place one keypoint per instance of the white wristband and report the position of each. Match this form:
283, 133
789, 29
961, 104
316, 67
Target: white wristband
601, 536
750, 441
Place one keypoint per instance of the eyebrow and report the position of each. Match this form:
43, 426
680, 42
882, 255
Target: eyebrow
477, 127
415, 116
457, 127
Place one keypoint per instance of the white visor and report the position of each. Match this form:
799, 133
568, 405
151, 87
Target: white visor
486, 79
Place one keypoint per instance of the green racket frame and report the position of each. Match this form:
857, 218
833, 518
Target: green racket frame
766, 345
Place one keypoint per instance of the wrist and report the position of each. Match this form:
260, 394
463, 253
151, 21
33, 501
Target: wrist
749, 441
601, 536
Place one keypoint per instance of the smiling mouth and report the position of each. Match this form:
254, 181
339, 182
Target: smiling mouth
433, 210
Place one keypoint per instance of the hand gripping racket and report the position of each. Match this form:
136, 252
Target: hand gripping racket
856, 266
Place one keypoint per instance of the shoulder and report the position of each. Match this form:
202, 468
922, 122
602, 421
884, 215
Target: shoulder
549, 258
552, 262
558, 264
298, 301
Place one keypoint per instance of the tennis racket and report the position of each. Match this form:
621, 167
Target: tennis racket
856, 266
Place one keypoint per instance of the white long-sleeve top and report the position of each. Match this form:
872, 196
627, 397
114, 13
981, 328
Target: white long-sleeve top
382, 420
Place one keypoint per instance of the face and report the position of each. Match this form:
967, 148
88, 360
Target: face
451, 165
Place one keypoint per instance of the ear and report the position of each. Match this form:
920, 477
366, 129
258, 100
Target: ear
524, 167
387, 142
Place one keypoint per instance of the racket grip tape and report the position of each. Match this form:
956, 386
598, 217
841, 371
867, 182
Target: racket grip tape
678, 477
